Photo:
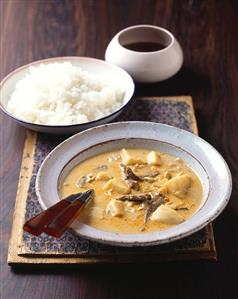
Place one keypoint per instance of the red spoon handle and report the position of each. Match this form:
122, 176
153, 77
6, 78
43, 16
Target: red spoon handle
60, 223
36, 225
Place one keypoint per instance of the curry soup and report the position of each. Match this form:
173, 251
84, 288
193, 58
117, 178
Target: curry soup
136, 190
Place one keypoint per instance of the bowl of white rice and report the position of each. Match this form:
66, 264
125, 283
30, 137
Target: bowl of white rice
65, 95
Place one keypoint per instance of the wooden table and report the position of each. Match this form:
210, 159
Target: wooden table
208, 32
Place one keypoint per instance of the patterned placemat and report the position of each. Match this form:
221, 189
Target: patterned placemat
70, 248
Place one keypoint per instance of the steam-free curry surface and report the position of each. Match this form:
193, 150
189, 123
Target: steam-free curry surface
167, 179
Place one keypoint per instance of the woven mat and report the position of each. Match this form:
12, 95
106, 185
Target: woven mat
70, 248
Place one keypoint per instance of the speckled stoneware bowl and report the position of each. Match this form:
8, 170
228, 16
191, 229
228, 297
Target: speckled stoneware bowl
208, 164
97, 67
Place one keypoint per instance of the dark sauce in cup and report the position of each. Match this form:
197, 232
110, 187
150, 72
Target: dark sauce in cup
144, 46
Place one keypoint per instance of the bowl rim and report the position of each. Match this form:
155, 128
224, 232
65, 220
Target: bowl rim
65, 58
148, 26
111, 237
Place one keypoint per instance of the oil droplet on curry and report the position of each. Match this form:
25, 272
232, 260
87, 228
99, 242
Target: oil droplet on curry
136, 190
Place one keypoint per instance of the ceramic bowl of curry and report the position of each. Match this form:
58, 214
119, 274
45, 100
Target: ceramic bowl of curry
153, 183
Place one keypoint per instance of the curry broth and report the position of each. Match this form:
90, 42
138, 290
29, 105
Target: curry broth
96, 213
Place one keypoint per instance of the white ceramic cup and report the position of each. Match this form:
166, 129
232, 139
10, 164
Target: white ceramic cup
147, 67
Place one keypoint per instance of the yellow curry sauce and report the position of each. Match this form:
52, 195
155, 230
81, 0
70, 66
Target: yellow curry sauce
155, 173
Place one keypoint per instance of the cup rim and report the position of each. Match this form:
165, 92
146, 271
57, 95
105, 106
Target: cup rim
165, 31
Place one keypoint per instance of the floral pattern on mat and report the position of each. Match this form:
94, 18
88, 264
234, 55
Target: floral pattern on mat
175, 113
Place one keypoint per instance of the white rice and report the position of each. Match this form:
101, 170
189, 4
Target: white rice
63, 94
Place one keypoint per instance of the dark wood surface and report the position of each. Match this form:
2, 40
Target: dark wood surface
208, 32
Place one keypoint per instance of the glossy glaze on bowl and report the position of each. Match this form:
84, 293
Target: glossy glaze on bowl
92, 65
208, 164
